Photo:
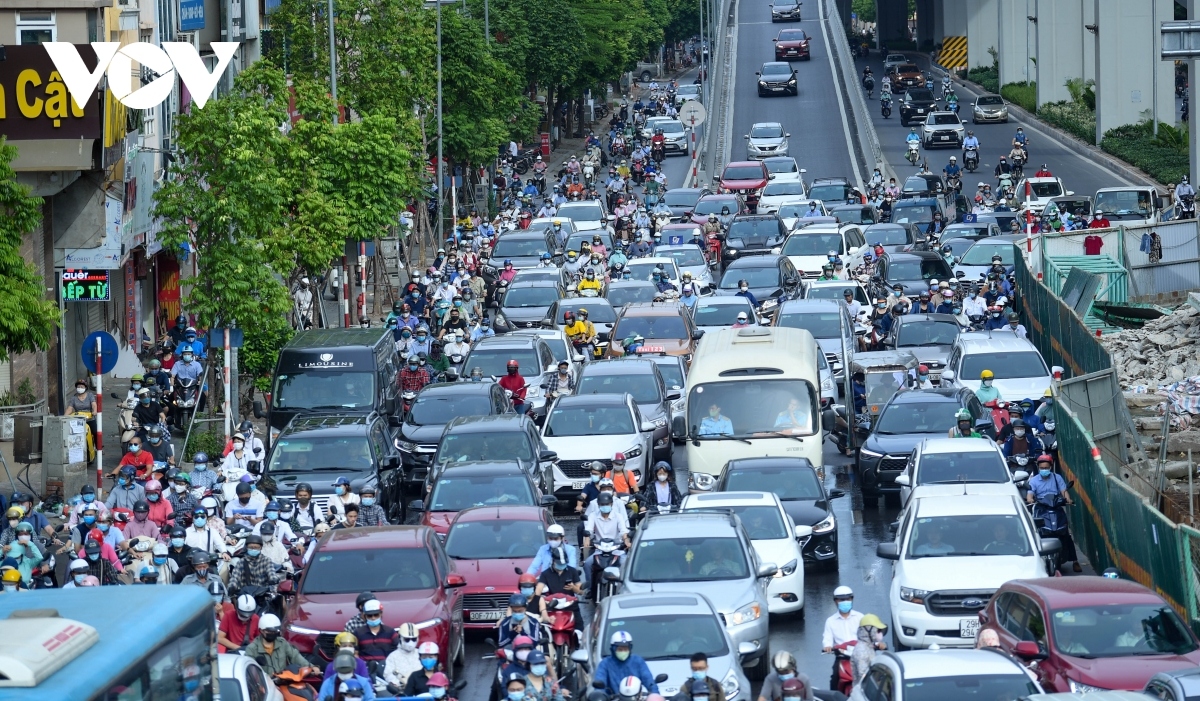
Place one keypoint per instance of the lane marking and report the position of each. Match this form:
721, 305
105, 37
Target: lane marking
841, 104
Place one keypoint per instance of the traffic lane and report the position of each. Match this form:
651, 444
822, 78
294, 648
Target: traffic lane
1078, 172
813, 118
859, 531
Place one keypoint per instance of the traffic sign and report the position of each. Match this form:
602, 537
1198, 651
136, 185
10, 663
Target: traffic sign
692, 110
108, 352
216, 338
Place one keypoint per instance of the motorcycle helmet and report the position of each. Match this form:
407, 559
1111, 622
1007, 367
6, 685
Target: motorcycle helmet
631, 688
1110, 573
793, 688
843, 592
783, 661
1045, 458
513, 366
986, 375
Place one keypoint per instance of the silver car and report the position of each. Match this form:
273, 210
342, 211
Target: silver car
712, 314
705, 553
667, 629
687, 92
942, 129
690, 259
766, 139
989, 108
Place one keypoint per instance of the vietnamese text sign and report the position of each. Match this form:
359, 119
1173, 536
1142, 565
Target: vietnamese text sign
85, 286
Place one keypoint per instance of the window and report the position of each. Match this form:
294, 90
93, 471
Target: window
255, 683
877, 685
36, 27
1034, 627
689, 560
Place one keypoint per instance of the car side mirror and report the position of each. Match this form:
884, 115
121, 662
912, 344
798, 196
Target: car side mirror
767, 569
828, 420
947, 376
454, 581
549, 500
580, 656
903, 480
1029, 650
836, 494
547, 455
416, 505
803, 531
746, 649
647, 426
674, 395
697, 334
887, 551
757, 73
747, 136
1049, 546
787, 136
679, 427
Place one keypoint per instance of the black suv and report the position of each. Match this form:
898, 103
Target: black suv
642, 380
916, 104
913, 270
435, 406
752, 234
319, 448
770, 278
908, 418
524, 305
507, 437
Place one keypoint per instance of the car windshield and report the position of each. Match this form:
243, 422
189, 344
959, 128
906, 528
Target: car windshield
781, 165
805, 244
991, 100
688, 90
525, 297
644, 271
668, 326
788, 484
688, 560
981, 254
755, 277
919, 95
300, 453
888, 235
577, 212
766, 131
752, 408
576, 239
976, 687
791, 34
494, 539
458, 493
681, 198
910, 417
714, 205
830, 193
754, 229
836, 292
957, 246
927, 333
597, 313
671, 126
776, 69
478, 447
641, 386
854, 215
1005, 365
819, 324
377, 569
435, 409
719, 314
672, 637
797, 210
917, 184
882, 385
494, 361
966, 230
924, 269
324, 390
912, 213
784, 188
686, 257
513, 247
743, 173
984, 467
1120, 630
968, 535
1049, 188
589, 421
907, 68
1123, 204
628, 294
944, 119
761, 522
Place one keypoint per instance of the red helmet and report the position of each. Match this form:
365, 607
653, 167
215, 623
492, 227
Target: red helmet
527, 579
568, 316
522, 641
437, 679
922, 369
619, 457
513, 364
1045, 457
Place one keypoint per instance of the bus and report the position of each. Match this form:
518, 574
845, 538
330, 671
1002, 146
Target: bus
764, 386
124, 643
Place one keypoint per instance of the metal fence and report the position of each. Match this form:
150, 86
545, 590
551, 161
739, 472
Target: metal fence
1054, 327
1177, 269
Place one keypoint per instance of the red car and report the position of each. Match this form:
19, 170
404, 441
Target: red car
1090, 633
746, 178
490, 543
461, 486
791, 43
405, 567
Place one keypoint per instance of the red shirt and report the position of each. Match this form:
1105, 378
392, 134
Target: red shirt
142, 460
1101, 223
1092, 244
238, 632
514, 384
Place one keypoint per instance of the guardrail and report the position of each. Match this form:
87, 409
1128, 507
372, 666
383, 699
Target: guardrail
866, 146
720, 71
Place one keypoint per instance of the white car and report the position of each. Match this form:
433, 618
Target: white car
648, 129
783, 169
690, 259
774, 536
1041, 191
949, 466
712, 314
587, 214
1017, 367
893, 61
559, 344
776, 194
809, 248
793, 213
240, 678
643, 268
951, 554
955, 674
595, 427
942, 129
688, 91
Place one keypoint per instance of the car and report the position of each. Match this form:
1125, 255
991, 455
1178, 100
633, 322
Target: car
589, 427
864, 214
667, 630
524, 305
828, 320
808, 249
766, 139
318, 448
799, 488
1176, 685
407, 570
916, 104
435, 406
647, 130
777, 78
688, 91
794, 214
773, 535
835, 289
892, 61
665, 326
560, 346
785, 10
989, 108
958, 243
784, 169
714, 313
1018, 368
744, 177
675, 137
917, 675
547, 223
241, 678
713, 204
751, 235
950, 466
600, 313
976, 262
922, 185
907, 75
641, 379
1078, 205
927, 336
976, 229
513, 438
919, 211
1041, 190
896, 237
644, 268
533, 355
682, 200
622, 292
770, 277
490, 482
587, 215
673, 369
951, 553
943, 129
689, 259
833, 190
523, 247
792, 43
912, 269
776, 194
552, 274
492, 543
1089, 634
661, 559
907, 418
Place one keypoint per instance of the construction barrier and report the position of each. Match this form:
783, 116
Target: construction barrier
1055, 328
953, 56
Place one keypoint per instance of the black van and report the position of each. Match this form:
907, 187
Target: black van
342, 371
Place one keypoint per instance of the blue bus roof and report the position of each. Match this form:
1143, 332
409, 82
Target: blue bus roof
132, 621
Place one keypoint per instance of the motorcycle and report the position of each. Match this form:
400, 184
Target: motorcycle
971, 159
954, 183
1049, 514
638, 171
845, 673
1018, 166
187, 397
658, 152
407, 399
1187, 207
606, 570
869, 86
1004, 181
885, 107
125, 421
914, 153
560, 609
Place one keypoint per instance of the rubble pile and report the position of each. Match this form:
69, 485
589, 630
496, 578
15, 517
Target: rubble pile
1164, 351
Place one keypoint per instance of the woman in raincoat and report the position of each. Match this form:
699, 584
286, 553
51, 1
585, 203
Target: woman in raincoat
870, 638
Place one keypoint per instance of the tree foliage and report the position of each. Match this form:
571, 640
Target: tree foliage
27, 318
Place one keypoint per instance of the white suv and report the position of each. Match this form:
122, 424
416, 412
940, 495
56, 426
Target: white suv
951, 554
1018, 368
924, 675
948, 466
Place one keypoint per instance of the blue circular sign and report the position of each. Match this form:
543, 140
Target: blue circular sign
108, 352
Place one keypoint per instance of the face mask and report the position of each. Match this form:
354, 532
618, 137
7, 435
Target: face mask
188, 357
743, 289
406, 334
421, 337
79, 579
340, 490
23, 539
375, 622
152, 497
368, 501
145, 400
202, 573
201, 466
408, 645
527, 591
519, 616
200, 522
538, 670
160, 559
270, 635
345, 676
923, 377
784, 677
80, 390
89, 498
1044, 473
699, 674
845, 606
605, 509
93, 556
254, 553
121, 481
428, 662
437, 692
1018, 432
987, 383
516, 695
622, 655
177, 542
238, 445
135, 447
595, 479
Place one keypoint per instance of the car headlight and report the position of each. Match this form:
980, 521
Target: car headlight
660, 422
792, 81
762, 83
787, 570
406, 446
913, 596
827, 525
827, 385
702, 481
729, 684
301, 630
731, 251
863, 452
750, 612
501, 320
634, 452
1079, 688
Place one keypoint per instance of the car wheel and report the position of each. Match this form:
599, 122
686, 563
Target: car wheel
762, 667
645, 76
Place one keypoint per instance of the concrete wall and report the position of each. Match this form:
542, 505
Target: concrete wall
926, 13
1059, 50
954, 18
982, 31
1127, 62
1088, 8
892, 16
1016, 40
70, 25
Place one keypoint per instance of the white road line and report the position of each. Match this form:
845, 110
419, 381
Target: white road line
841, 104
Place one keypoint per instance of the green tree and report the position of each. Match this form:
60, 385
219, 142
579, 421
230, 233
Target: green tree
865, 9
27, 319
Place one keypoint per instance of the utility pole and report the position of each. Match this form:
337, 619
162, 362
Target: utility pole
441, 175
333, 62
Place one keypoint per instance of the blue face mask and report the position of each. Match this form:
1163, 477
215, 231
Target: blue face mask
785, 677
518, 617
605, 509
421, 337
89, 520
272, 515
437, 692
340, 490
595, 479
1044, 473
428, 662
845, 606
79, 579
160, 559
89, 498
200, 522
93, 556
538, 670
253, 553
152, 498
699, 674
122, 481
368, 501
527, 591
560, 566
145, 400
516, 695
104, 527
177, 542
200, 466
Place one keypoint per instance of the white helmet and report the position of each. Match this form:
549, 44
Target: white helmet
843, 592
630, 687
269, 621
428, 649
246, 603
556, 529
408, 630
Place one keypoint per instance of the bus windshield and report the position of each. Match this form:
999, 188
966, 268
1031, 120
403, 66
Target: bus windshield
753, 408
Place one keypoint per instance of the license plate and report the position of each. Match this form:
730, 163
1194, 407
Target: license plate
943, 138
486, 615
968, 628
579, 484
653, 349
777, 89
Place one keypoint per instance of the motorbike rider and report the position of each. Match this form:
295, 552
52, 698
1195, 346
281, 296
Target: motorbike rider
518, 622
188, 368
458, 344
952, 170
783, 672
253, 569
986, 391
1003, 167
662, 282
135, 459
725, 218
1044, 485
1183, 189
403, 661
515, 384
191, 341
700, 686
346, 681
744, 291
1021, 139
604, 524
554, 540
621, 663
913, 137
561, 383
840, 627
870, 638
272, 652
590, 282
661, 493
1020, 441
127, 491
